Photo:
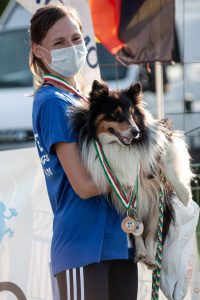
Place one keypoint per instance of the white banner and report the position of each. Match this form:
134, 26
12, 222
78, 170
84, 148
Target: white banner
25, 234
25, 227
91, 69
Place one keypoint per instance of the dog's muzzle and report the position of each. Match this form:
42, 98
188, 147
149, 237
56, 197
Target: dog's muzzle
135, 133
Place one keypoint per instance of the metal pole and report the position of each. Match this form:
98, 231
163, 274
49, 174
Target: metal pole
159, 89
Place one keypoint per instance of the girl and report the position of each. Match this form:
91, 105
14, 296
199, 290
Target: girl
89, 251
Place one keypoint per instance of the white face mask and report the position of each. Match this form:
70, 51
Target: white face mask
68, 61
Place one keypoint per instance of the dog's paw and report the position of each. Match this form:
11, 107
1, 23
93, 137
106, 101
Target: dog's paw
149, 261
151, 265
140, 256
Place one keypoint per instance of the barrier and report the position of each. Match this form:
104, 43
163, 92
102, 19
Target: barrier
25, 234
25, 225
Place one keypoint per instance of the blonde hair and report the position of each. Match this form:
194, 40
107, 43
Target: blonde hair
43, 19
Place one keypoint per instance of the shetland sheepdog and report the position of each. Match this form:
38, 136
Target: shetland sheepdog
130, 137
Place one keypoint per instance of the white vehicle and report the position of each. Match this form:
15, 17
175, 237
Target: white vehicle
16, 81
15, 78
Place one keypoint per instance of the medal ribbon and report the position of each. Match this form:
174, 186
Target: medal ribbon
127, 202
156, 276
63, 83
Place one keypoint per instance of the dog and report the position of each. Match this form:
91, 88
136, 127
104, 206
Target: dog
135, 145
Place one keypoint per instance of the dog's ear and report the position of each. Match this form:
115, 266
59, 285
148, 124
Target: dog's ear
135, 92
99, 91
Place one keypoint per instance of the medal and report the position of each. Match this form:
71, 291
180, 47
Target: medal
128, 225
139, 228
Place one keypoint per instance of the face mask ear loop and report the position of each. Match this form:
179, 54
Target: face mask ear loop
44, 58
45, 49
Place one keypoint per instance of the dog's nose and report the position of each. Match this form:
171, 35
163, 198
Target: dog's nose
135, 132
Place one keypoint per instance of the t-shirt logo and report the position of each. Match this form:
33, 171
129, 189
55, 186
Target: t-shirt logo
43, 158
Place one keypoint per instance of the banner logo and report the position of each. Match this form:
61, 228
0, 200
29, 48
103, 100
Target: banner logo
13, 288
3, 228
47, 1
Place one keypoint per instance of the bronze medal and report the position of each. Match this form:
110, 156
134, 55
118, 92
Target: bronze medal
139, 228
128, 225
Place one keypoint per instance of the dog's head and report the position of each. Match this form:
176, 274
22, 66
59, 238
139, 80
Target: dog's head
116, 116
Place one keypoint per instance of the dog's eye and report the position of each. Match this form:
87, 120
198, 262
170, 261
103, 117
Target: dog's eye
116, 114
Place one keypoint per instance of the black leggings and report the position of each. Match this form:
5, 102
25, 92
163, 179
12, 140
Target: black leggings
108, 280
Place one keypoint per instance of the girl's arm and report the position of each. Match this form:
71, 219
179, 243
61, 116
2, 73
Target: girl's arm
77, 174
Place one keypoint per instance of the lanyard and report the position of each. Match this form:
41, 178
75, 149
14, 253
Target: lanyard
63, 83
127, 201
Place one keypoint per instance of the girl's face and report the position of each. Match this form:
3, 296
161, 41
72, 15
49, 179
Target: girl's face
64, 33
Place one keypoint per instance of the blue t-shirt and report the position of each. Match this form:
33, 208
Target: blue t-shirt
84, 231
